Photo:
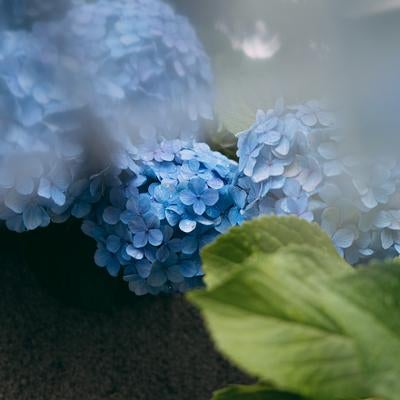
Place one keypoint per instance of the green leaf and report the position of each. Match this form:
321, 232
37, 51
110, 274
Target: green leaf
290, 314
263, 235
267, 318
255, 392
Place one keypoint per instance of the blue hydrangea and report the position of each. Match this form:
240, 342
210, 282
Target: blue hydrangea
41, 154
276, 167
147, 76
297, 161
358, 206
151, 223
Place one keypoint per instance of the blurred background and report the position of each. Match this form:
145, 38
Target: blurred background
343, 51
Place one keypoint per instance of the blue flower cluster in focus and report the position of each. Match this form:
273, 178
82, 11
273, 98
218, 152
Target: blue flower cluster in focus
150, 225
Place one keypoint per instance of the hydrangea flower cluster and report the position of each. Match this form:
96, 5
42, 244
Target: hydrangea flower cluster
150, 225
296, 161
71, 89
147, 75
276, 167
358, 203
41, 152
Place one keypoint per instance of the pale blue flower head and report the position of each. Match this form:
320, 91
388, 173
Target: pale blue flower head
359, 209
41, 153
357, 202
147, 75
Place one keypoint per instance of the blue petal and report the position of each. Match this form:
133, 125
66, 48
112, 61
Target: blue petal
187, 197
143, 268
137, 254
155, 237
197, 185
210, 197
58, 196
157, 278
162, 253
174, 274
80, 209
113, 243
25, 186
140, 239
386, 239
101, 257
44, 189
343, 238
189, 269
113, 266
111, 215
16, 202
187, 225
189, 244
199, 207
34, 217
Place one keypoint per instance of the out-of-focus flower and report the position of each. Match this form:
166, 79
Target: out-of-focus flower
296, 161
360, 208
151, 226
147, 75
41, 153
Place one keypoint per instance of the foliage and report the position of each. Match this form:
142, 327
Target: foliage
293, 313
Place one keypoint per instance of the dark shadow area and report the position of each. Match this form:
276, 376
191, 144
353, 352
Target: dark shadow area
68, 331
61, 258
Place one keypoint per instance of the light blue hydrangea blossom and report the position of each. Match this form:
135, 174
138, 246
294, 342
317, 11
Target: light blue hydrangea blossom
147, 75
358, 205
297, 161
150, 225
276, 168
40, 151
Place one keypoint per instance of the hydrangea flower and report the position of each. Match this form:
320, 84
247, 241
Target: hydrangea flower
41, 154
360, 208
150, 225
276, 167
147, 76
297, 161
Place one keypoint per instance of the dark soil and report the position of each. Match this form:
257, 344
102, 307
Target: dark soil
70, 332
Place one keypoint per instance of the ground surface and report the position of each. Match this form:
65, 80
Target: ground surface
68, 332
